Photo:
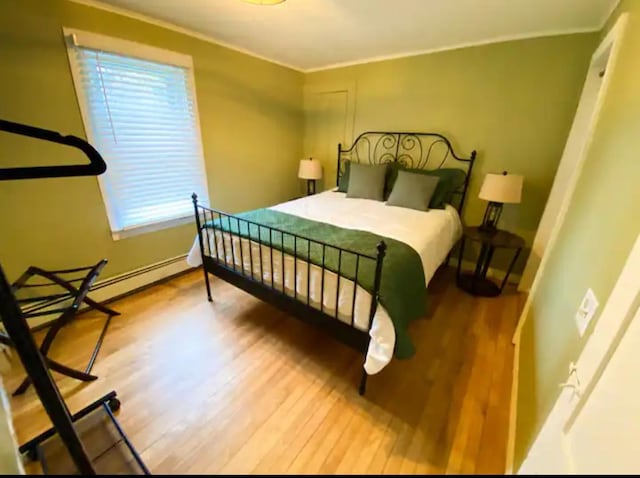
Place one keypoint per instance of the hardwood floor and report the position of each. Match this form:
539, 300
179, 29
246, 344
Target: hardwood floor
235, 386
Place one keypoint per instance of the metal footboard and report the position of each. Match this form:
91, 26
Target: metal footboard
215, 227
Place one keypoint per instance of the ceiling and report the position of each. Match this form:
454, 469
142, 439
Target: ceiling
314, 34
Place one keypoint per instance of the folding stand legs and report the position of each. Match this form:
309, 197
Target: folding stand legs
85, 376
68, 313
21, 338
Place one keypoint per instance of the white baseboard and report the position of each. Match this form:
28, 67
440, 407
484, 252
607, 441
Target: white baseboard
117, 286
497, 274
124, 283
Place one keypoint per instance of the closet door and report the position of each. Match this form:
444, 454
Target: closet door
329, 114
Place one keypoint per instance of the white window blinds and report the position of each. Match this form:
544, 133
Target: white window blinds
141, 116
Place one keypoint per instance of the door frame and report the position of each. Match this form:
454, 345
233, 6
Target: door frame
611, 43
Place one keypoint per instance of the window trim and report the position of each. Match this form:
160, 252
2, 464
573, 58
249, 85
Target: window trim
151, 227
78, 38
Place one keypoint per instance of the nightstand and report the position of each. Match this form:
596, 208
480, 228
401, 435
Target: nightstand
476, 283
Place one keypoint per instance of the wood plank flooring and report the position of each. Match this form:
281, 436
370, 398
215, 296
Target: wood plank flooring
235, 386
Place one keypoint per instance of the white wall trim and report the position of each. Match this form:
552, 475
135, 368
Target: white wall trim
200, 36
153, 227
80, 38
498, 39
185, 31
119, 285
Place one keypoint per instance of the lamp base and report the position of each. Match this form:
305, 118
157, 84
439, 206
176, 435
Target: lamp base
311, 187
491, 217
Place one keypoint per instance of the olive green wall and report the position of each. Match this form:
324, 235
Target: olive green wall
250, 116
594, 241
512, 101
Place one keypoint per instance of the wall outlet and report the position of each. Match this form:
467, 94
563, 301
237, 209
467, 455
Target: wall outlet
586, 311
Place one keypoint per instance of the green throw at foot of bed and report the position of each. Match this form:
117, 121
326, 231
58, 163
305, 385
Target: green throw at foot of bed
403, 292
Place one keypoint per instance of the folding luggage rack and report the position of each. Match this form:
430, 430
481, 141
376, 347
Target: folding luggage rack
65, 304
91, 441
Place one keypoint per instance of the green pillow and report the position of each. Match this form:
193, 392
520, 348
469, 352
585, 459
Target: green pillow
413, 190
367, 182
392, 172
343, 182
451, 180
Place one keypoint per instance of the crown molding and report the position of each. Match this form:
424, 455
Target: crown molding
185, 31
200, 36
498, 39
608, 14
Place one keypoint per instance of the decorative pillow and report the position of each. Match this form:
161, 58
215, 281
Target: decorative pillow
343, 182
413, 190
367, 182
392, 174
451, 180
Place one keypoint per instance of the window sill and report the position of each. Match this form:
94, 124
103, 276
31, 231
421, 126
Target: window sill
156, 226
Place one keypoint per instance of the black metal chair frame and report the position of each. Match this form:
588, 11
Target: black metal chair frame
36, 306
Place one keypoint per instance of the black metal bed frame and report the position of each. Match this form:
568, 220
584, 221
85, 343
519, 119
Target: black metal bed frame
410, 149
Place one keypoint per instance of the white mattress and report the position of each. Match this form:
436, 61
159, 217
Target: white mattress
432, 234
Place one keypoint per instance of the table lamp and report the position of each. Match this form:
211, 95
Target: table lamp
311, 170
499, 189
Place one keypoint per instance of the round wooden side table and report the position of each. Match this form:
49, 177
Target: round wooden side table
477, 283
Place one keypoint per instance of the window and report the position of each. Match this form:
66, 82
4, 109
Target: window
139, 108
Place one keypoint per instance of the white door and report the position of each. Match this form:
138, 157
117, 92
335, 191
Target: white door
594, 426
604, 436
328, 121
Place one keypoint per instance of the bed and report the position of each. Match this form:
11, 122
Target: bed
358, 268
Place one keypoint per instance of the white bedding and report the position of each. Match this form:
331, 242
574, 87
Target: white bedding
432, 234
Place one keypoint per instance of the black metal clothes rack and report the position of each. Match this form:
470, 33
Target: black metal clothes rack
15, 323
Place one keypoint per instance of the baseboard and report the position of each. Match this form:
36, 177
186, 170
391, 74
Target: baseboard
116, 287
497, 274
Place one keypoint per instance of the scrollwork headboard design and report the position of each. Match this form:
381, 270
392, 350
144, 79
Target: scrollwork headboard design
410, 150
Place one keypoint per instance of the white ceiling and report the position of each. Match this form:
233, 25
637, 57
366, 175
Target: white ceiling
315, 34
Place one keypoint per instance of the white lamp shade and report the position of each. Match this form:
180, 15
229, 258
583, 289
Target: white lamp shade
503, 188
310, 169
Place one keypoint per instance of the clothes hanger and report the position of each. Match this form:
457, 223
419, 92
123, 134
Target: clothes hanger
95, 167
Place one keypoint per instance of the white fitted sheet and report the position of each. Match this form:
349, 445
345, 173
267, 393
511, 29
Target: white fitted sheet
432, 234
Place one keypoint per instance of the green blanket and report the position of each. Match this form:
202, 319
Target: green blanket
402, 289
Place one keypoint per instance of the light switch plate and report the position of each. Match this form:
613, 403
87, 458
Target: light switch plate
586, 311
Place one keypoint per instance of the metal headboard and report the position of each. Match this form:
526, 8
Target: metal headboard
409, 149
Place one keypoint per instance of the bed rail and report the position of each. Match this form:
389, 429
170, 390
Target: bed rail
215, 227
